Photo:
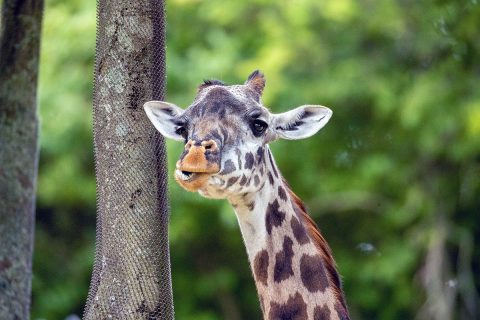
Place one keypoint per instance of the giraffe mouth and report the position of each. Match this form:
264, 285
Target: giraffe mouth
191, 181
186, 175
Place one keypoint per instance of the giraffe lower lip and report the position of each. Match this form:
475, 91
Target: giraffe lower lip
185, 175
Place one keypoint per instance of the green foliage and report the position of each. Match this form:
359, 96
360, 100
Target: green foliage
392, 177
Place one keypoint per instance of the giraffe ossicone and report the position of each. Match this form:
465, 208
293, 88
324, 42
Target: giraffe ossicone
226, 131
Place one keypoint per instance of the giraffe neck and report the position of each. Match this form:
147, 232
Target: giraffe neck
292, 265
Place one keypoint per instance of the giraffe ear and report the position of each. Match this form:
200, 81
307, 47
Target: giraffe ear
164, 116
256, 82
301, 122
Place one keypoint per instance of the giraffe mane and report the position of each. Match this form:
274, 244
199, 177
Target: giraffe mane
321, 245
210, 82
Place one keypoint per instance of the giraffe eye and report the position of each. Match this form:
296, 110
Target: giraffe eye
181, 131
259, 127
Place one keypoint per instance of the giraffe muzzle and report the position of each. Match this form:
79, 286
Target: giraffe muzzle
197, 164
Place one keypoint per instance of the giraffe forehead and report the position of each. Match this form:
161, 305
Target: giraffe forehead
220, 101
241, 92
221, 112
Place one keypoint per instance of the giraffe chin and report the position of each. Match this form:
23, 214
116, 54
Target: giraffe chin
193, 181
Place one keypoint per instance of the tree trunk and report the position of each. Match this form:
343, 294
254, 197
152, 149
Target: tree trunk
19, 51
131, 276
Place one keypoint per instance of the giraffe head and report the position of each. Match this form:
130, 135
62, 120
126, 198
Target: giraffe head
225, 131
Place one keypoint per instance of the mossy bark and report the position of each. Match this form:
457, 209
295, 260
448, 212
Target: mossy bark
19, 51
131, 277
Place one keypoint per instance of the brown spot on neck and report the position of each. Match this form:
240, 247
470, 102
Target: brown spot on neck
260, 267
299, 231
294, 309
274, 217
281, 193
313, 273
322, 247
321, 313
283, 261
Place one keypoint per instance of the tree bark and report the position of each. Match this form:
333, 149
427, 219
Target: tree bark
131, 276
19, 56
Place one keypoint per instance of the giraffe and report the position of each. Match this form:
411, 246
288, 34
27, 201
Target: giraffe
227, 131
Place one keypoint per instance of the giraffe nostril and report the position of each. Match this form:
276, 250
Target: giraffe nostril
189, 144
209, 145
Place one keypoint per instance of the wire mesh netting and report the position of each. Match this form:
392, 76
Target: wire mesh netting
131, 276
